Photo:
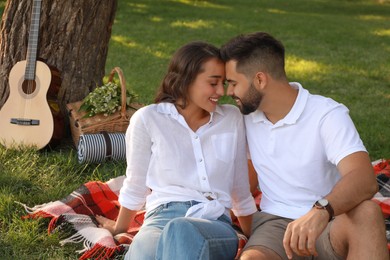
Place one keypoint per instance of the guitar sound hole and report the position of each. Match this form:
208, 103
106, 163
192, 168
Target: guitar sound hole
29, 86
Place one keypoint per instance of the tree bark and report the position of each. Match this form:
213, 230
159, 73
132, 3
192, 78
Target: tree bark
73, 38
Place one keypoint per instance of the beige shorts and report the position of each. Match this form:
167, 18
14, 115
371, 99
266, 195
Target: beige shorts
268, 231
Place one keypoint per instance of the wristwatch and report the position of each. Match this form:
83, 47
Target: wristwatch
324, 204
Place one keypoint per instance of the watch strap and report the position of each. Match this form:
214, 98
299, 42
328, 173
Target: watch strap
328, 208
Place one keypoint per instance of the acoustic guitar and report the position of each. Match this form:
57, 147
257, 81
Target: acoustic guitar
26, 118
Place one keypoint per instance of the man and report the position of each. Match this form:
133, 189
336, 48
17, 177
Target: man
314, 172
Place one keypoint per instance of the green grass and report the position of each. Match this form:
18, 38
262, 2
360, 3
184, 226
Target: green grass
337, 48
32, 178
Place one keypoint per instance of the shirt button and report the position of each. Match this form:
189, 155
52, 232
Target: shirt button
196, 137
201, 160
203, 178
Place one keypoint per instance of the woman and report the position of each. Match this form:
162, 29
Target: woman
186, 164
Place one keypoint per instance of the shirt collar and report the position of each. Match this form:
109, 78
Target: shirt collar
295, 112
170, 109
299, 105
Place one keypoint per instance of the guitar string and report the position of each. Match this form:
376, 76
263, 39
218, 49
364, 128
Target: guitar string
33, 42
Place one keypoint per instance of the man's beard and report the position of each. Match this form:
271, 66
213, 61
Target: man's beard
251, 101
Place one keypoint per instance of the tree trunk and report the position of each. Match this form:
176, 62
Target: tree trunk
73, 38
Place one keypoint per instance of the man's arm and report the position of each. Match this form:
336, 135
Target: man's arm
357, 184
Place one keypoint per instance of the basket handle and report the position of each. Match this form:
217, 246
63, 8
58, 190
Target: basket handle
123, 88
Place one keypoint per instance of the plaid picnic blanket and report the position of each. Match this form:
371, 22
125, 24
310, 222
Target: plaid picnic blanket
74, 215
382, 197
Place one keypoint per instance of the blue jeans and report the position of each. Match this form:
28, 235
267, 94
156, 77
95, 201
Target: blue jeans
167, 234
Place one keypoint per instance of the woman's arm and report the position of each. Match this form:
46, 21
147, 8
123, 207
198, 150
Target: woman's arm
125, 217
253, 180
246, 224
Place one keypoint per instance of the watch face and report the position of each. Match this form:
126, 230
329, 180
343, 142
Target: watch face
323, 202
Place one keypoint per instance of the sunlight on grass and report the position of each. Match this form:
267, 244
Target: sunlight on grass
382, 32
130, 44
372, 18
199, 24
201, 3
157, 54
276, 11
300, 67
123, 41
156, 19
139, 8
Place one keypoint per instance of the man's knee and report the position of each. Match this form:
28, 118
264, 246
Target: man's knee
366, 215
366, 211
370, 207
363, 222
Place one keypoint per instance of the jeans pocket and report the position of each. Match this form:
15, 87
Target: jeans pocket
154, 211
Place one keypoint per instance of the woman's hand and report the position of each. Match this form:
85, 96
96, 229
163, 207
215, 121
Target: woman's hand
121, 225
106, 223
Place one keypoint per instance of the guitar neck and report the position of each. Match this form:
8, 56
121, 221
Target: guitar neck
33, 40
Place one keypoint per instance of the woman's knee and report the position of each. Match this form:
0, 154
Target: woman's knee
194, 238
200, 228
144, 243
180, 225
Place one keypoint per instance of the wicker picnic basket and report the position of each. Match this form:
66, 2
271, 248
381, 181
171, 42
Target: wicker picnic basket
116, 122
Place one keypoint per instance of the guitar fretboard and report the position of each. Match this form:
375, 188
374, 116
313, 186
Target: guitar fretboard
33, 41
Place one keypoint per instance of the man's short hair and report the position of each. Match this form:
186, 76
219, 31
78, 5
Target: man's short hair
255, 52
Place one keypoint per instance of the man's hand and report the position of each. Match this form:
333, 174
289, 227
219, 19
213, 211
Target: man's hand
301, 234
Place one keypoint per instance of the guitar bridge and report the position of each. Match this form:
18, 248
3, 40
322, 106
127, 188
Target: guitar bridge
22, 121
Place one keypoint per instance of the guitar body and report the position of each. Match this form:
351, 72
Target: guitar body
26, 118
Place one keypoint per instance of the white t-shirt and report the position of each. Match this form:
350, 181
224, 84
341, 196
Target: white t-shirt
296, 157
167, 161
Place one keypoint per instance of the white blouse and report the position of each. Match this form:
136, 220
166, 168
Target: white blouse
167, 161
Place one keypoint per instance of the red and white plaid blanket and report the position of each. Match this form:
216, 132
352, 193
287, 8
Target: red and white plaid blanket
382, 197
74, 216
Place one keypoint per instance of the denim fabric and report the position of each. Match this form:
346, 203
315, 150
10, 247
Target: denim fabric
167, 234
